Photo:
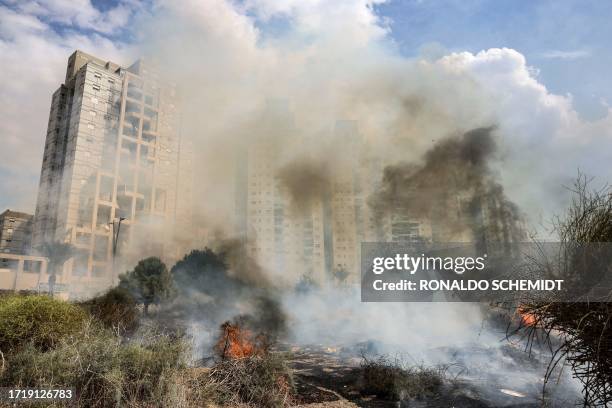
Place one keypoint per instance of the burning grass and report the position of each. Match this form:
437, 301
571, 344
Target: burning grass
237, 341
255, 381
392, 380
259, 381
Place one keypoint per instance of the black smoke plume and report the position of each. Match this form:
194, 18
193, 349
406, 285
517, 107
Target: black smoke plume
454, 187
305, 181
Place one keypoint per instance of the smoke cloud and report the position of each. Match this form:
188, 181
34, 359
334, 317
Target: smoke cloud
450, 186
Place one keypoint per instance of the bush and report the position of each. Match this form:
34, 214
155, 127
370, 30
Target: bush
103, 370
580, 330
116, 308
40, 321
391, 380
259, 381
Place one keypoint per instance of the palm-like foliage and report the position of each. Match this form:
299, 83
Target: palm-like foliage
58, 253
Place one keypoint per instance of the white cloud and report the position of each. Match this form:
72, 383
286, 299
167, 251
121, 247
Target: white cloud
566, 55
33, 66
545, 139
334, 53
78, 13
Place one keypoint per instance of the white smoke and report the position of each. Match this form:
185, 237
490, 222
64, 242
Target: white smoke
335, 60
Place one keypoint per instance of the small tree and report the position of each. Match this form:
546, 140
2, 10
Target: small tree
206, 272
58, 253
149, 282
341, 274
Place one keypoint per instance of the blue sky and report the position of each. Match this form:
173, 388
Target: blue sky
566, 42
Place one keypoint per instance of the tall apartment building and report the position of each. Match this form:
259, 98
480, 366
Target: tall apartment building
284, 239
323, 239
319, 239
15, 232
113, 152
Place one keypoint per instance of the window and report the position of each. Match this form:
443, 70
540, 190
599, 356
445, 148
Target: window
126, 180
130, 126
149, 113
32, 266
148, 137
132, 108
100, 248
140, 206
80, 264
134, 90
125, 206
148, 125
96, 87
82, 238
160, 200
149, 100
130, 148
106, 188
104, 215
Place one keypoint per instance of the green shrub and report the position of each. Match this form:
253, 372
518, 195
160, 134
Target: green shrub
116, 308
103, 370
259, 381
40, 321
391, 380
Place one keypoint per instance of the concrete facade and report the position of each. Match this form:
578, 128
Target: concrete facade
113, 151
15, 232
26, 273
322, 240
319, 240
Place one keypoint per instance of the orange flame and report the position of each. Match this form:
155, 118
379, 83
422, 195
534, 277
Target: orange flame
528, 319
238, 342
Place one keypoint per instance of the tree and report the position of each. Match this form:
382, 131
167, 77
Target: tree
149, 282
206, 272
341, 274
306, 285
58, 253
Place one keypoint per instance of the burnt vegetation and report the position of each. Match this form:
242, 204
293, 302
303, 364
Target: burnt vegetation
115, 352
578, 332
393, 380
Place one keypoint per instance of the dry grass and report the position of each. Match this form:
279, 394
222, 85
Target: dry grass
104, 370
256, 381
392, 380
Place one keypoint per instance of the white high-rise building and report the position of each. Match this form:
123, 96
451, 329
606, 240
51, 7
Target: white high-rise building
113, 154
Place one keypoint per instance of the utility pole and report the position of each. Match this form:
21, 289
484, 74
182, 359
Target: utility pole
115, 241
